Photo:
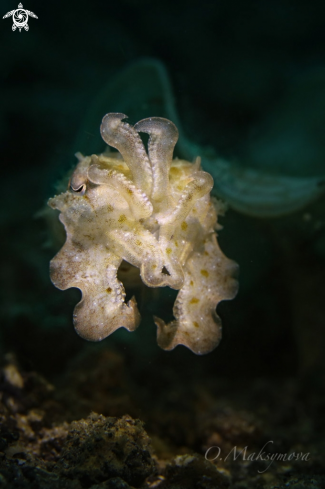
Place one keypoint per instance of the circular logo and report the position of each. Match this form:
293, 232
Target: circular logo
20, 18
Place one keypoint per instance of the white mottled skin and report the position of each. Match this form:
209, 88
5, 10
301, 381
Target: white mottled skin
154, 213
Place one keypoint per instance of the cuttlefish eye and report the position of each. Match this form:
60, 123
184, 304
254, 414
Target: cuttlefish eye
81, 190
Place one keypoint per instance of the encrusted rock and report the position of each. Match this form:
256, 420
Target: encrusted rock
99, 448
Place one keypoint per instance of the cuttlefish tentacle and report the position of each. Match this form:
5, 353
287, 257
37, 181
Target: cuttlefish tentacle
200, 184
126, 140
140, 248
138, 202
163, 136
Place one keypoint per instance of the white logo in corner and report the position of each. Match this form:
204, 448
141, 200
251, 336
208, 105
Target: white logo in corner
20, 18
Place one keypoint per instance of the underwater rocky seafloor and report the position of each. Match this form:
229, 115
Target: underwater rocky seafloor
123, 413
102, 426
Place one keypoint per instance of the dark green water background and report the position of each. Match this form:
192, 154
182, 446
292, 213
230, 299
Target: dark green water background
249, 80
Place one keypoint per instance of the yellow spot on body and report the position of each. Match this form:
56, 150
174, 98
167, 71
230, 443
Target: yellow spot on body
108, 290
138, 242
184, 226
176, 243
205, 273
191, 282
110, 208
194, 300
122, 218
129, 191
168, 251
196, 324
